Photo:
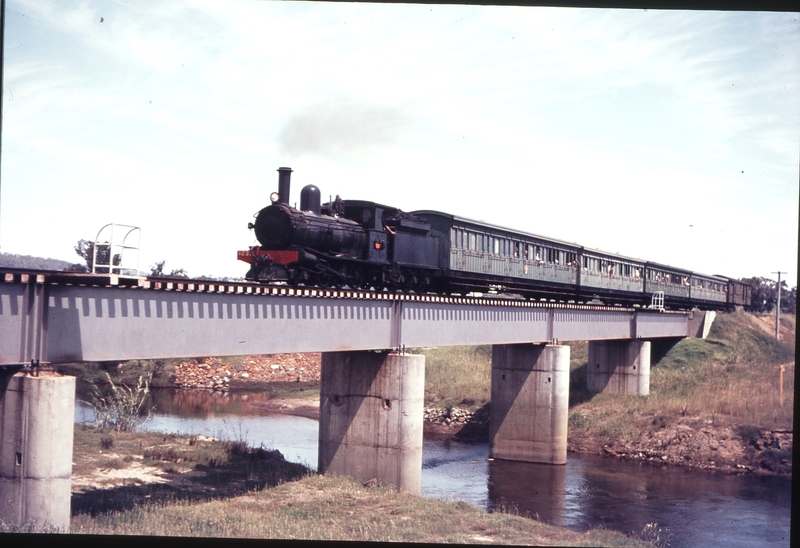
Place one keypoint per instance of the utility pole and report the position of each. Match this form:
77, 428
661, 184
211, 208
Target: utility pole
778, 308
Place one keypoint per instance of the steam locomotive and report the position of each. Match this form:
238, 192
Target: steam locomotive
362, 245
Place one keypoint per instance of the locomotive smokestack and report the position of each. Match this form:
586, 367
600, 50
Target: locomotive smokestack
284, 177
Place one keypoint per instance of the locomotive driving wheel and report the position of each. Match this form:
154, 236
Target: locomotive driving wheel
354, 277
324, 280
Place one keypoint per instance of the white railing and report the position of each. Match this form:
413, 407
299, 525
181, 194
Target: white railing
122, 251
657, 300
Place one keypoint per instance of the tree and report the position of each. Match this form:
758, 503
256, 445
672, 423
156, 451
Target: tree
789, 300
765, 296
85, 249
157, 270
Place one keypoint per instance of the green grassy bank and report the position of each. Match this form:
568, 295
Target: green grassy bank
732, 375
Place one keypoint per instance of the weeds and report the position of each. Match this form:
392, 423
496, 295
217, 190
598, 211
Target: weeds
658, 536
29, 526
120, 408
577, 420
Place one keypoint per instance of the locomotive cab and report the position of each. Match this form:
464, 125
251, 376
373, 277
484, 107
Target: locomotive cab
394, 236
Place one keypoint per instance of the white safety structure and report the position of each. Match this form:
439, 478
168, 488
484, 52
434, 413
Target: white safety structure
120, 241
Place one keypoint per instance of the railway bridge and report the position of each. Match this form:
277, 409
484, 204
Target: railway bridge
371, 392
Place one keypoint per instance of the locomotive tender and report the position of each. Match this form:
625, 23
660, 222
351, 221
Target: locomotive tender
361, 244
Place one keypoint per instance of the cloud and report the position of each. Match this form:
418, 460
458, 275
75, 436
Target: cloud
341, 126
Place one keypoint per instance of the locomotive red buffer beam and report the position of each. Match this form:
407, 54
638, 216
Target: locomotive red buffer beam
278, 256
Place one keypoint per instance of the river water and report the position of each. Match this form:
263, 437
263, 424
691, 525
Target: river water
694, 508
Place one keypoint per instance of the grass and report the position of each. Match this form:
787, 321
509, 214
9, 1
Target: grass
732, 379
734, 373
312, 507
458, 376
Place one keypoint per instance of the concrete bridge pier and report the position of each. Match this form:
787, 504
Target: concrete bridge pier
36, 431
619, 367
530, 403
370, 424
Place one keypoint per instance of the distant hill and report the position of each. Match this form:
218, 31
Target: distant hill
10, 260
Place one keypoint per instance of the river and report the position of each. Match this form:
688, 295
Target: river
696, 508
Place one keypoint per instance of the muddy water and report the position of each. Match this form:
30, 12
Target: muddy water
695, 508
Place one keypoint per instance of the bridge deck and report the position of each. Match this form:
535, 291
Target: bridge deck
59, 317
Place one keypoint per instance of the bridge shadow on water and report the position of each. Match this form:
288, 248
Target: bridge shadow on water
246, 469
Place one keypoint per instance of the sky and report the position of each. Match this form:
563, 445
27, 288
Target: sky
670, 136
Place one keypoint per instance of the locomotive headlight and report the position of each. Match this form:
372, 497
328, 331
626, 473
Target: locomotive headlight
274, 197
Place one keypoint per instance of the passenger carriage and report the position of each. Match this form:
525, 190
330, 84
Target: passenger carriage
707, 290
475, 253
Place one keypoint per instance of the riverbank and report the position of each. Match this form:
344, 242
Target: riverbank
144, 483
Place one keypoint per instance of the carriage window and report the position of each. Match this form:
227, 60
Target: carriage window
472, 241
496, 246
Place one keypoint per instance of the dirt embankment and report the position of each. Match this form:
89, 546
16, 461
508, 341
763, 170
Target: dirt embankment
698, 442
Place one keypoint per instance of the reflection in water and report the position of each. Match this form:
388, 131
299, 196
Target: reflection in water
202, 403
533, 490
697, 507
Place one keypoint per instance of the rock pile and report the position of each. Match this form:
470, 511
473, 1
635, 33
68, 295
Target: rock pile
218, 373
455, 416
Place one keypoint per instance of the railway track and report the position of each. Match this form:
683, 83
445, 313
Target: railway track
251, 288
